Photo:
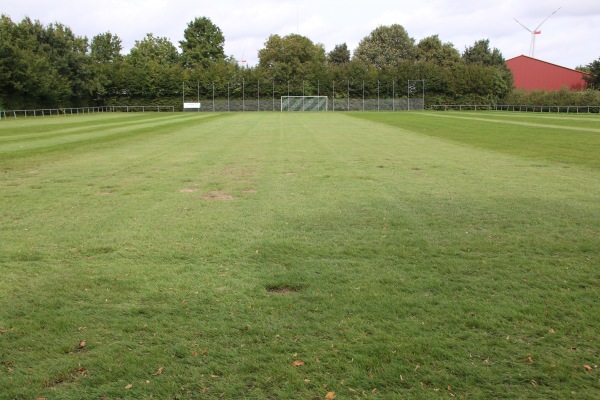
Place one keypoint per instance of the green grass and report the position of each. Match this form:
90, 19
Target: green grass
562, 138
398, 255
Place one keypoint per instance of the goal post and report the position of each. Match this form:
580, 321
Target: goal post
304, 103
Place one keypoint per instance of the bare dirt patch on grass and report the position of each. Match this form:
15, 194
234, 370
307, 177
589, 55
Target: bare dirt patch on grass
217, 195
282, 289
187, 190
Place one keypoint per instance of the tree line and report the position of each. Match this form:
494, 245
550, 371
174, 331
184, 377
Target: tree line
50, 66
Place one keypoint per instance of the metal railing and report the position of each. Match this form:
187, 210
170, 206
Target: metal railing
47, 112
518, 108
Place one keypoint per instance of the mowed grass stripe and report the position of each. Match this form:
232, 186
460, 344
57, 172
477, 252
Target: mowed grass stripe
72, 137
578, 118
567, 146
46, 128
521, 123
227, 248
32, 126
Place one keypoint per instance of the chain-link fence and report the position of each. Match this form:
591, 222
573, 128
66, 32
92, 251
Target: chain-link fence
342, 95
335, 104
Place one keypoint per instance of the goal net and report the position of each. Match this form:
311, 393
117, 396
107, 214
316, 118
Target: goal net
304, 103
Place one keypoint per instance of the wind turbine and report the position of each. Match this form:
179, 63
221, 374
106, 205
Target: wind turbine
243, 60
535, 31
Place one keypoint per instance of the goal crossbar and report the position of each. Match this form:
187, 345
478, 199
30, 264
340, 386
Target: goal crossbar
304, 103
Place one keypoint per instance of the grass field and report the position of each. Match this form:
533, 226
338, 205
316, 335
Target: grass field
300, 256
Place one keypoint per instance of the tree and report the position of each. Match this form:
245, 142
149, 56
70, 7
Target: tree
593, 79
480, 53
43, 66
105, 48
431, 49
339, 55
386, 46
105, 52
152, 68
501, 77
153, 49
69, 53
292, 57
203, 43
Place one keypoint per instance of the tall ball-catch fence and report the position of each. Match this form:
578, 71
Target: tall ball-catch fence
273, 95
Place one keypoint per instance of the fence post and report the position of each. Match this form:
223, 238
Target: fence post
377, 95
363, 87
333, 97
348, 93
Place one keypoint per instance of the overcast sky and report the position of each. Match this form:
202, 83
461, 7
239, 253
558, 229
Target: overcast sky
569, 38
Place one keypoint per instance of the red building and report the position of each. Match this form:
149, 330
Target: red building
533, 74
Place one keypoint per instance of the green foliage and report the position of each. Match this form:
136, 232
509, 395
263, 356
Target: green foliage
593, 79
106, 48
339, 55
292, 58
153, 50
386, 46
480, 53
43, 65
203, 44
499, 78
583, 68
152, 68
563, 97
431, 49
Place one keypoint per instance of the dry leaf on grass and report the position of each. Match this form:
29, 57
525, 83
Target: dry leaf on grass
587, 368
159, 372
129, 386
528, 360
330, 396
298, 363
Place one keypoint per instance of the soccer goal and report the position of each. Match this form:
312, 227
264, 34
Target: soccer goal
304, 103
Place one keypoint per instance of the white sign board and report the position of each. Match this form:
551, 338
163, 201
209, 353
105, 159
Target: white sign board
191, 106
